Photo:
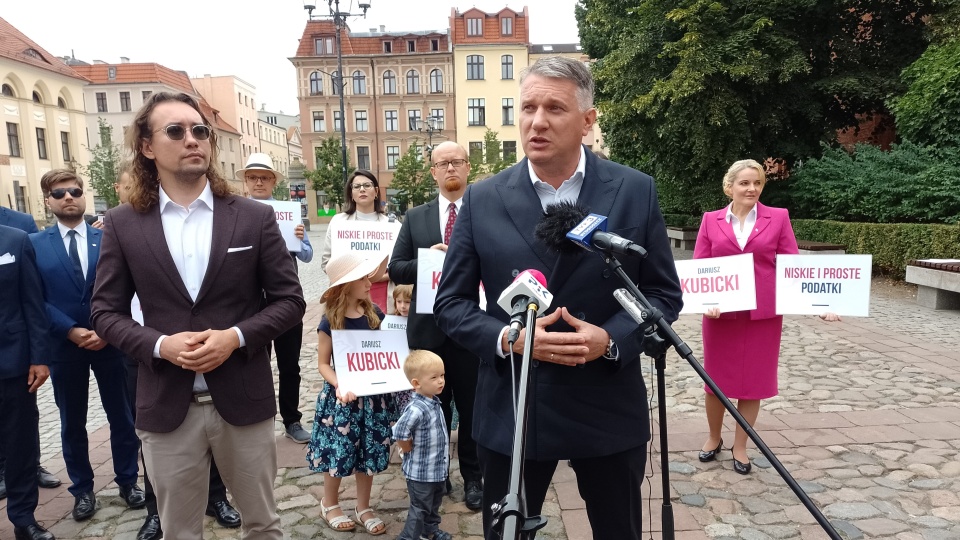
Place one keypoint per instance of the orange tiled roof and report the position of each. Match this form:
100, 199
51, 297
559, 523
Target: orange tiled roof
138, 73
213, 116
19, 48
363, 44
491, 26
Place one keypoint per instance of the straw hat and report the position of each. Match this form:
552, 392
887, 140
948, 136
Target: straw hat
259, 162
352, 266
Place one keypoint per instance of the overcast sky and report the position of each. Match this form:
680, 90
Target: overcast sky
203, 36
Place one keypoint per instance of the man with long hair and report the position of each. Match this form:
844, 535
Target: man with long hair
196, 254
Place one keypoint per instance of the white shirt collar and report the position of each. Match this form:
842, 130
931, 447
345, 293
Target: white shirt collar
730, 217
445, 202
80, 228
581, 169
206, 197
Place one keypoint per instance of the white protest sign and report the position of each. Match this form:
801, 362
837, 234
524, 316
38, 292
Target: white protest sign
393, 322
288, 217
727, 283
369, 238
370, 362
429, 268
816, 284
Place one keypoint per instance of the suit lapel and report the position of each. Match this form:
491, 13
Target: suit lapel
224, 223
726, 228
56, 242
93, 254
152, 229
431, 216
525, 211
763, 220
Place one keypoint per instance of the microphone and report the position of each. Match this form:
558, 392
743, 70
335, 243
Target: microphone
585, 230
529, 287
591, 234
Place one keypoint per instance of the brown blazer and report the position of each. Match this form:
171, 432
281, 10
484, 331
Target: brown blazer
134, 258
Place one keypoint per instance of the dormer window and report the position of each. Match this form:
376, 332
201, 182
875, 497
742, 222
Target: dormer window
474, 27
506, 26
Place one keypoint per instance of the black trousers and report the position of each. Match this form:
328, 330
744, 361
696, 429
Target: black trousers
19, 419
218, 491
461, 368
288, 366
609, 485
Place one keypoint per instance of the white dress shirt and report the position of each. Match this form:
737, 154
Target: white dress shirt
445, 212
742, 233
81, 243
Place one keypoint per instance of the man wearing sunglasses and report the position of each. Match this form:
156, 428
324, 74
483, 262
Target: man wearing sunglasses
67, 255
216, 285
259, 179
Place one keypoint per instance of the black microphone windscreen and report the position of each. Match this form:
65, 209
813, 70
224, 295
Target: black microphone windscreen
557, 221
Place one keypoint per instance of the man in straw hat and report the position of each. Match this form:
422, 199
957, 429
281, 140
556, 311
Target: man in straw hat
260, 178
197, 257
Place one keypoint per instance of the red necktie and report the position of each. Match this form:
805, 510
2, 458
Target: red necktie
451, 219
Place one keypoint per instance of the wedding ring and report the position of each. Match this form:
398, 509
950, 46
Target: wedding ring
551, 357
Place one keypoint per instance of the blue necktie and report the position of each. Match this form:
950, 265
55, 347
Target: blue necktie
75, 255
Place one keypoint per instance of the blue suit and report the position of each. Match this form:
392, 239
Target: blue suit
17, 220
23, 342
67, 300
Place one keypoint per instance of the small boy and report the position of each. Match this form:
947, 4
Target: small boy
401, 299
422, 435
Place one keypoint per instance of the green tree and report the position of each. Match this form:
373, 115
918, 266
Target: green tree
103, 167
489, 161
281, 191
328, 175
412, 179
686, 87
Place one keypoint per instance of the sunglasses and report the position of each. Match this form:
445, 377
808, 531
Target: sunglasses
60, 193
176, 132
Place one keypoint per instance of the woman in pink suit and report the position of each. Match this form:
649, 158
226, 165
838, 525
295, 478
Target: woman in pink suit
741, 349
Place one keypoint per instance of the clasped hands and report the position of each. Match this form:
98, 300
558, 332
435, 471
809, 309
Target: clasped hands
587, 342
201, 352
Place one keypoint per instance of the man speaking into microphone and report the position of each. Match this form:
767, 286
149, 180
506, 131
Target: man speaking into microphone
588, 400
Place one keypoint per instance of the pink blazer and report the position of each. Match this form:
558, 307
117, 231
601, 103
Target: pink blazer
771, 235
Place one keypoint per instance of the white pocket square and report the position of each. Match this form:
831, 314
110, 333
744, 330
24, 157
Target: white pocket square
236, 249
7, 258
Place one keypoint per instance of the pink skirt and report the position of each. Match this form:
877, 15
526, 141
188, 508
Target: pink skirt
742, 355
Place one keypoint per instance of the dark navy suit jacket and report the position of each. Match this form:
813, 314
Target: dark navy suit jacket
23, 322
593, 410
17, 220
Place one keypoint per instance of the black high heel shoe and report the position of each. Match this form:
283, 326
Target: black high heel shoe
742, 468
711, 455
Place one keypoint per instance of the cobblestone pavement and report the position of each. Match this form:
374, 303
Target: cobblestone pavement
867, 420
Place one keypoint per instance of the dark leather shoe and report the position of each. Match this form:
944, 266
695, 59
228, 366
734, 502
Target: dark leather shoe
150, 529
473, 495
711, 455
85, 506
32, 532
742, 468
45, 479
225, 514
448, 486
133, 496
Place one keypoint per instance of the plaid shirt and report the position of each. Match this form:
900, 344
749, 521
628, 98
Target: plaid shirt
422, 421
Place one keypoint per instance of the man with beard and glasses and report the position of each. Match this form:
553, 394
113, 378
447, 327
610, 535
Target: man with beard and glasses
196, 256
430, 226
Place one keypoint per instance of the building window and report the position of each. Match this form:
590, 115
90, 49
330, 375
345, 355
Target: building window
324, 46
316, 84
387, 47
37, 98
437, 115
510, 150
393, 156
239, 97
61, 104
413, 118
7, 91
363, 157
436, 81
335, 82
393, 122
65, 145
146, 94
413, 82
389, 82
231, 144
318, 122
42, 143
336, 120
475, 67
112, 73
125, 101
476, 112
506, 66
101, 102
245, 103
508, 111
475, 149
361, 120
411, 45
474, 27
506, 26
434, 44
13, 139
359, 83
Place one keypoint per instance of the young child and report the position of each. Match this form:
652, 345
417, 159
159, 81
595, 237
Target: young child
402, 294
350, 434
422, 435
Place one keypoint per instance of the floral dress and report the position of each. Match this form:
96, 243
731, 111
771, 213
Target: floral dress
351, 437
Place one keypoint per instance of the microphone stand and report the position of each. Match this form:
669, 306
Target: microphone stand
652, 319
509, 515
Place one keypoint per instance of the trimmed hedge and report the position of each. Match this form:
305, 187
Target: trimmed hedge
682, 220
891, 244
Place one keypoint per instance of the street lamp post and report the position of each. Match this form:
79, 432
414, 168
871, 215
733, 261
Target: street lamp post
430, 125
339, 23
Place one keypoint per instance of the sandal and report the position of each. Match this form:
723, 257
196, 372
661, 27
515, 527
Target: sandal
374, 526
337, 523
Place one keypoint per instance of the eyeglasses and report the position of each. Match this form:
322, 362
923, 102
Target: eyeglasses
257, 179
176, 132
358, 187
454, 162
60, 193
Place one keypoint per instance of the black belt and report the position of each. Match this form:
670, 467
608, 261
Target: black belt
202, 398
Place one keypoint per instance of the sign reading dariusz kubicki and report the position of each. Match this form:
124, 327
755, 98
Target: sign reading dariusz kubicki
816, 284
393, 322
370, 362
726, 283
371, 239
288, 217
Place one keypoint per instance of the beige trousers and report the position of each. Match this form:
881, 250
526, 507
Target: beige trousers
179, 465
